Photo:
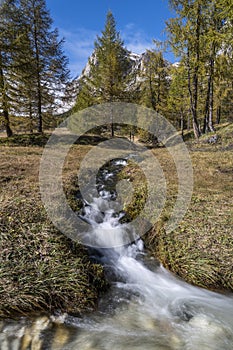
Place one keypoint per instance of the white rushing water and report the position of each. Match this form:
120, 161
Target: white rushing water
152, 309
146, 307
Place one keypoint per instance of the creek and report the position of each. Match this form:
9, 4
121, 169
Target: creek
146, 306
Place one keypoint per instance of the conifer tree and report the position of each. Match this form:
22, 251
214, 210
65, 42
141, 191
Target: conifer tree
155, 82
178, 98
199, 34
185, 38
32, 64
224, 87
109, 66
8, 30
213, 32
23, 74
223, 77
154, 85
110, 72
85, 97
48, 71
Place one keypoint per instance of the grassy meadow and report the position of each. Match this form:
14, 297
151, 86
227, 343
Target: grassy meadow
42, 271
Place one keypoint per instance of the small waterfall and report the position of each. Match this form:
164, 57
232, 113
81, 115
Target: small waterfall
146, 307
151, 308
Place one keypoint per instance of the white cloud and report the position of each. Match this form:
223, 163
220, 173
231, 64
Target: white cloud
79, 45
136, 40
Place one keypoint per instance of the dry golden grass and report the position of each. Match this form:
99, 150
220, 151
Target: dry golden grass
41, 270
200, 250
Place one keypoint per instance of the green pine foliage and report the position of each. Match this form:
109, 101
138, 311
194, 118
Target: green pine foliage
153, 88
109, 65
154, 81
201, 36
85, 96
33, 67
34, 76
48, 64
178, 98
8, 37
110, 72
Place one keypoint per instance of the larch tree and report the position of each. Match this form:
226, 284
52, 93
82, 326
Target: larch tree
8, 35
85, 97
154, 81
213, 32
112, 64
224, 87
22, 71
154, 85
185, 36
199, 35
178, 97
109, 68
223, 78
48, 71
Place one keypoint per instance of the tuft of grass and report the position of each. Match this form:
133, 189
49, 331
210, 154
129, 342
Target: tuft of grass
41, 270
25, 140
200, 250
224, 140
137, 178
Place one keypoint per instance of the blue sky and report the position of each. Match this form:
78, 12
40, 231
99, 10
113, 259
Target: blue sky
79, 22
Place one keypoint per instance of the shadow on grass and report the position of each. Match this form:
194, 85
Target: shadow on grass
40, 140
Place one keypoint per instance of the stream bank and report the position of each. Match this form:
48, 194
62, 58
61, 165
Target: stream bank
35, 254
41, 270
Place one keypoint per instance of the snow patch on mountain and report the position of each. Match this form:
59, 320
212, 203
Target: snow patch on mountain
138, 63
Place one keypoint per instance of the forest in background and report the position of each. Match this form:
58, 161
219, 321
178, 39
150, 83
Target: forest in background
195, 93
41, 269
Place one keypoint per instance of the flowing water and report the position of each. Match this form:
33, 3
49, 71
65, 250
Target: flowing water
145, 308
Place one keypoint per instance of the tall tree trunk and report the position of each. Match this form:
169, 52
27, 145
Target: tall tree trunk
188, 121
111, 117
193, 103
193, 76
209, 106
9, 131
38, 77
218, 116
182, 123
211, 109
196, 74
39, 109
30, 117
